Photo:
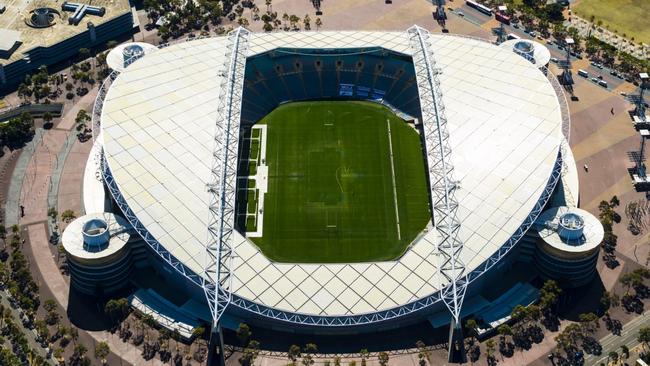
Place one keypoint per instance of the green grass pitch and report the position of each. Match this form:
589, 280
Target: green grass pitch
629, 17
330, 197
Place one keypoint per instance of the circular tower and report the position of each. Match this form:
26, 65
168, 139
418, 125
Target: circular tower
97, 252
567, 249
125, 54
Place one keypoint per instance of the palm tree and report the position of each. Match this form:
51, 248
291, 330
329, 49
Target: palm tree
285, 19
364, 356
307, 22
644, 336
383, 358
101, 351
243, 334
293, 354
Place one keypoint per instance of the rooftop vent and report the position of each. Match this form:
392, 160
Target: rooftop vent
96, 235
42, 17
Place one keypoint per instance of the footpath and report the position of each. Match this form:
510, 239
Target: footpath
49, 173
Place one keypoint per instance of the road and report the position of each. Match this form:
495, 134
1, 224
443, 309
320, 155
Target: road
628, 337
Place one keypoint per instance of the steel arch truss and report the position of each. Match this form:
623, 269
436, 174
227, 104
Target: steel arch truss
217, 278
444, 205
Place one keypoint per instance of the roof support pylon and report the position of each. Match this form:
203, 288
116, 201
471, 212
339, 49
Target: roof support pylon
444, 205
217, 278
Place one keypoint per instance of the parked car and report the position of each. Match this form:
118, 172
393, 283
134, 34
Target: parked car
554, 60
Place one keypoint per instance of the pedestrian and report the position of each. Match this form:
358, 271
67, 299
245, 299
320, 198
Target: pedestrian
612, 111
22, 211
586, 168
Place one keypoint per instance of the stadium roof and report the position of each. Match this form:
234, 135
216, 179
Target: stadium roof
505, 125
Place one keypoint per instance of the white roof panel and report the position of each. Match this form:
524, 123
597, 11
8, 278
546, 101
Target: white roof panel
505, 131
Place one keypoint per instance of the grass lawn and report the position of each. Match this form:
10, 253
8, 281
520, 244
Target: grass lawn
625, 16
330, 194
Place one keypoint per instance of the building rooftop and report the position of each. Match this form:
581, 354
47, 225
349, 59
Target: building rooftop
18, 11
505, 129
8, 39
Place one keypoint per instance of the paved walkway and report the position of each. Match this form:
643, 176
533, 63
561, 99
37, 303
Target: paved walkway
39, 165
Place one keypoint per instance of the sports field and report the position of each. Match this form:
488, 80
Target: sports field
625, 16
333, 184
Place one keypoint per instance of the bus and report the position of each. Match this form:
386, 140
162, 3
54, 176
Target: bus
482, 8
501, 17
583, 73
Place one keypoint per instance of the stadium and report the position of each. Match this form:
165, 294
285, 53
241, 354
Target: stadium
323, 185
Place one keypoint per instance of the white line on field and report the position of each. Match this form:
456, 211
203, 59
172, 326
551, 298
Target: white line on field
392, 171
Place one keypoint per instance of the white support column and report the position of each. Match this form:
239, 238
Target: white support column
219, 248
442, 184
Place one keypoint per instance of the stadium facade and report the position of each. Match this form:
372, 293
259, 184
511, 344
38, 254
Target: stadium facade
170, 123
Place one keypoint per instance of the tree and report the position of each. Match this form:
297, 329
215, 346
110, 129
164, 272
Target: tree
307, 22
490, 349
613, 355
82, 117
625, 352
294, 353
364, 356
68, 215
49, 305
79, 355
243, 334
101, 351
423, 353
644, 336
308, 352
24, 92
383, 358
84, 53
52, 212
47, 117
471, 326
250, 353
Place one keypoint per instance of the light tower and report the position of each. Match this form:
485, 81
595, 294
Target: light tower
641, 124
503, 19
639, 114
567, 78
440, 15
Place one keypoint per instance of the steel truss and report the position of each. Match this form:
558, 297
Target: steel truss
217, 278
344, 320
444, 205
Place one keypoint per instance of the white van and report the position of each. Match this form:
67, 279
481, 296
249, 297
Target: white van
602, 83
583, 73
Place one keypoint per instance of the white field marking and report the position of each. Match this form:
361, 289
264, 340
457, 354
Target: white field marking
261, 183
392, 172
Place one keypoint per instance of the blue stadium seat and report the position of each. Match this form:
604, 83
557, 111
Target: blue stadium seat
279, 76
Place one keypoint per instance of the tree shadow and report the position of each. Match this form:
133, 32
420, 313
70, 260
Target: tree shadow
581, 300
87, 312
